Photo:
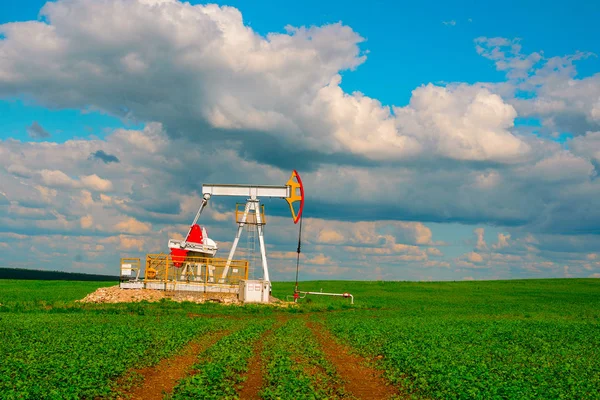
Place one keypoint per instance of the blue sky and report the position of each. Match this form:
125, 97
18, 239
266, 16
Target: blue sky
474, 155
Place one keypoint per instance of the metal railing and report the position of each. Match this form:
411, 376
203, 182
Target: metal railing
130, 269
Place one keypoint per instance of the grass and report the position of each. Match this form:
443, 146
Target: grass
541, 299
32, 294
495, 339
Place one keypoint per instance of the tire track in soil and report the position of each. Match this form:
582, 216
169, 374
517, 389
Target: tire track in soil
255, 380
360, 381
161, 378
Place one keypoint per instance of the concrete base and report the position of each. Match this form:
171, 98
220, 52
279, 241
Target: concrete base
131, 285
184, 287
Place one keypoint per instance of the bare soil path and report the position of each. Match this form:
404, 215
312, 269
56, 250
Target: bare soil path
255, 381
360, 381
161, 378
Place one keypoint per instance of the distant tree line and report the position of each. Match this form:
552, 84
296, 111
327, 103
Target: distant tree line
17, 273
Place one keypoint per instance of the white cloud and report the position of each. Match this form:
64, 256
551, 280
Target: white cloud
86, 199
382, 233
481, 244
127, 243
330, 237
94, 182
86, 221
229, 105
222, 74
48, 195
587, 146
436, 264
462, 122
502, 241
562, 166
133, 226
149, 140
475, 257
560, 100
57, 179
433, 251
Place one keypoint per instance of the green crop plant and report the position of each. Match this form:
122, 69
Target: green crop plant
220, 369
73, 356
295, 366
439, 340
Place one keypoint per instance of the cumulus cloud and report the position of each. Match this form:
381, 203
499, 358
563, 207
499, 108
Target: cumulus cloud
553, 92
463, 122
329, 236
384, 233
507, 55
481, 244
475, 257
133, 226
302, 119
562, 166
87, 221
587, 146
58, 179
502, 241
94, 182
433, 251
283, 88
230, 105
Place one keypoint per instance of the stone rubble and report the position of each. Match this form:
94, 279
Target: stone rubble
114, 294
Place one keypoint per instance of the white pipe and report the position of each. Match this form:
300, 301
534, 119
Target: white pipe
261, 240
332, 294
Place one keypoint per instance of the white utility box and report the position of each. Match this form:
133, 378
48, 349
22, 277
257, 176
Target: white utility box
254, 291
126, 270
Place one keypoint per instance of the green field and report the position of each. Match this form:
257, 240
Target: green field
526, 339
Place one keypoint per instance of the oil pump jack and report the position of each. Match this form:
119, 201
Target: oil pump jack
198, 244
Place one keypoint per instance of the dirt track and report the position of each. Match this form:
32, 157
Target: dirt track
254, 381
163, 377
360, 381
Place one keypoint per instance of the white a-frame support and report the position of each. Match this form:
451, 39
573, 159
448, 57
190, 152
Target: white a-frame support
252, 194
252, 205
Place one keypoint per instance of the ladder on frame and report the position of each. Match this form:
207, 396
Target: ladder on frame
251, 250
